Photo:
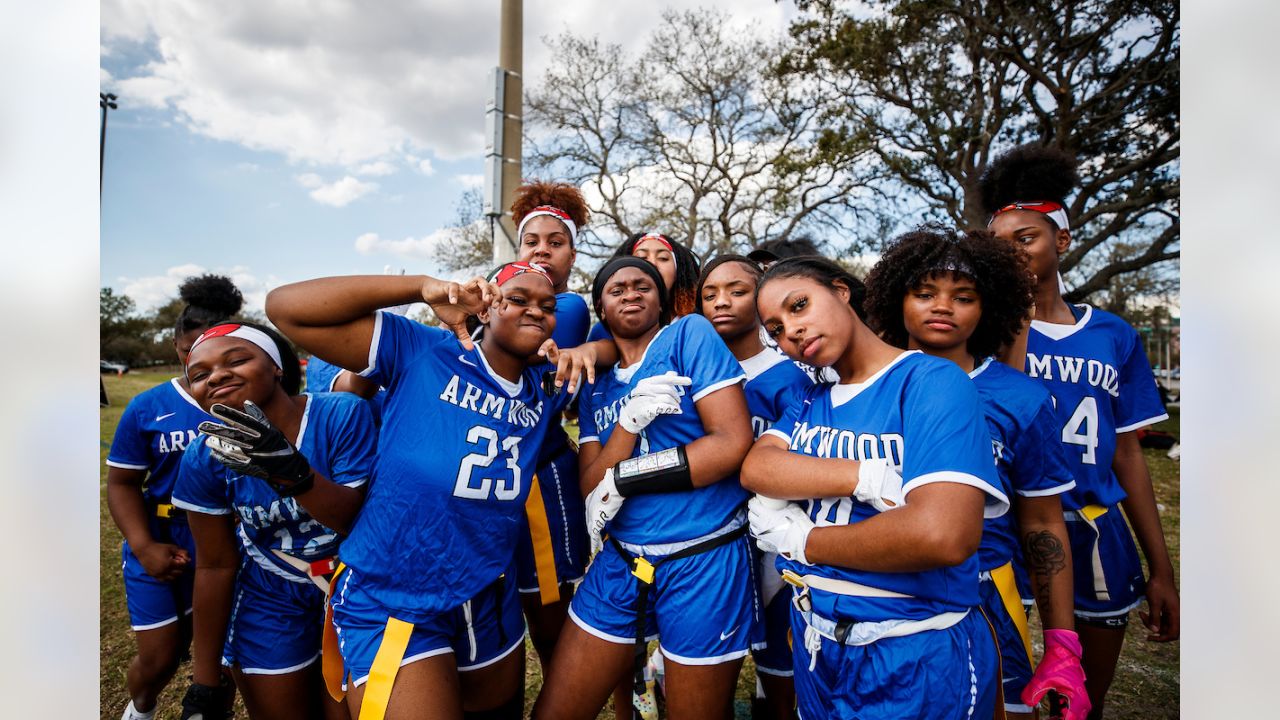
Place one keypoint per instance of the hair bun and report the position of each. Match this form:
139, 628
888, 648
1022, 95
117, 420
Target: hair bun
215, 293
1027, 173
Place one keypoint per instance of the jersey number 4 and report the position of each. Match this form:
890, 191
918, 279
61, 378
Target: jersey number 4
1082, 429
501, 487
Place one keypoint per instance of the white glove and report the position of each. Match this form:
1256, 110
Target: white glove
879, 485
652, 396
782, 530
602, 505
401, 310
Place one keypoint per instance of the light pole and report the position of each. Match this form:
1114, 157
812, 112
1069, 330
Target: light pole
105, 101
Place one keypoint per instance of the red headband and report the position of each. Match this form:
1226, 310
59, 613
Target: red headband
1055, 211
516, 269
655, 236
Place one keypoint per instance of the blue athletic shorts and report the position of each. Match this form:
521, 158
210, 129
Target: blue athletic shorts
935, 674
705, 607
152, 603
561, 531
1015, 664
276, 624
773, 657
481, 632
1108, 573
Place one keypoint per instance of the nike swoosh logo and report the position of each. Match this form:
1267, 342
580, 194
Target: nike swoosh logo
464, 359
726, 636
161, 417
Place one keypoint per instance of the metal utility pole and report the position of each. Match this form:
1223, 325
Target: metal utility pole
504, 125
105, 101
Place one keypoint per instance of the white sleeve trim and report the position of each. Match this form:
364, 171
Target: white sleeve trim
778, 434
1055, 490
712, 388
373, 346
588, 439
124, 466
192, 507
355, 483
1142, 423
989, 510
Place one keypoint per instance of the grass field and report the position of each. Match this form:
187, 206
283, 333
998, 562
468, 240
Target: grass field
1146, 684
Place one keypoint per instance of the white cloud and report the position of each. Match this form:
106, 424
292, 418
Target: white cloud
410, 248
379, 168
424, 167
469, 181
309, 180
342, 192
339, 84
150, 292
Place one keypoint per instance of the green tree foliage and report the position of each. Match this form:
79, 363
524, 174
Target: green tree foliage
121, 331
938, 88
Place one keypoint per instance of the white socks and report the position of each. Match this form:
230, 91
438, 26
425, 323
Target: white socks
132, 713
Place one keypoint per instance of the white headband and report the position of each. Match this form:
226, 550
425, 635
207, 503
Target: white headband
549, 211
243, 332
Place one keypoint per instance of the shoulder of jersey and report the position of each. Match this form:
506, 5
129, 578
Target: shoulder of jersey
1011, 387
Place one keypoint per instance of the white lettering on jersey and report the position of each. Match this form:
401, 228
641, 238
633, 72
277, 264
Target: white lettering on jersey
485, 403
1074, 370
178, 440
846, 444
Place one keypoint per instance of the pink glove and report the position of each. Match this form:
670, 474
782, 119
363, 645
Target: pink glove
1060, 670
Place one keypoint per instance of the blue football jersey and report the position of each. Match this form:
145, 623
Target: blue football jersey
573, 320
154, 431
1102, 386
690, 347
457, 449
337, 437
774, 383
321, 375
923, 414
1024, 441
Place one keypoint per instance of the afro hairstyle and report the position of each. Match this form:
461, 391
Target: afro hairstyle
556, 194
209, 299
1028, 173
1000, 275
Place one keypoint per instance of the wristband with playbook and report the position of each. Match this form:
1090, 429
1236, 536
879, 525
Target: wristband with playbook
661, 472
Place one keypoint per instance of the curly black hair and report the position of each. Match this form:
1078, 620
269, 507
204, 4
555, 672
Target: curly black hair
821, 270
209, 299
684, 291
1028, 173
999, 272
747, 263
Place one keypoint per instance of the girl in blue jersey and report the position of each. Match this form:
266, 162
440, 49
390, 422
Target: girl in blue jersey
1095, 367
142, 465
727, 297
553, 550
883, 614
962, 296
663, 434
268, 494
426, 611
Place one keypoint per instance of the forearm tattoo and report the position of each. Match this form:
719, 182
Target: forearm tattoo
1045, 558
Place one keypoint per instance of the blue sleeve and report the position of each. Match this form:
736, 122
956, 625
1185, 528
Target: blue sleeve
587, 430
946, 435
129, 446
201, 486
572, 320
703, 357
320, 375
396, 341
1138, 404
355, 443
785, 425
599, 332
1039, 463
791, 390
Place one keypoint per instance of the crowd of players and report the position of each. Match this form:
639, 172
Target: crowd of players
864, 484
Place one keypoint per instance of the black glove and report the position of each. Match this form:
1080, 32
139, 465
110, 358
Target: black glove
251, 445
203, 702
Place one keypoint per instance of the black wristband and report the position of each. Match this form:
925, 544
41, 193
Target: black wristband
290, 489
661, 472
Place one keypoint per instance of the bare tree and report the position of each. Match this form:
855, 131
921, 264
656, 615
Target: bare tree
696, 138
938, 87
